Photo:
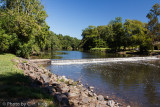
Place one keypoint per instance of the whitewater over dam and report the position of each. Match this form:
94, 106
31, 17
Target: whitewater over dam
102, 60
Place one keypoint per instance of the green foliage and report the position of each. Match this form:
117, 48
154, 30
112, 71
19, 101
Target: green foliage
62, 80
23, 29
131, 33
153, 16
25, 49
154, 24
99, 49
4, 42
57, 42
35, 49
116, 37
14, 85
90, 38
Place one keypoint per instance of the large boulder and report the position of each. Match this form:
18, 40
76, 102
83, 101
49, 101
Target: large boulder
72, 95
100, 98
86, 100
45, 78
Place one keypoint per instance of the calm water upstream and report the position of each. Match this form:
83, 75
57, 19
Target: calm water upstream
135, 83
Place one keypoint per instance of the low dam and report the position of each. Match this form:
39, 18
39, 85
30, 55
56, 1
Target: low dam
101, 60
127, 78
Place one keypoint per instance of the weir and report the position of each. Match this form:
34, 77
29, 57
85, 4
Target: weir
102, 60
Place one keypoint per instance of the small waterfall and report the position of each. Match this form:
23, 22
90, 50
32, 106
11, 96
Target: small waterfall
102, 60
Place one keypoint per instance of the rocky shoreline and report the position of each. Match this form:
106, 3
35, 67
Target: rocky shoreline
66, 92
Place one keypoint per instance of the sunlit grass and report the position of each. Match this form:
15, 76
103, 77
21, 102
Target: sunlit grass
14, 85
99, 49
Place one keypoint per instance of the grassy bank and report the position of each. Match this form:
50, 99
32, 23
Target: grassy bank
17, 88
99, 49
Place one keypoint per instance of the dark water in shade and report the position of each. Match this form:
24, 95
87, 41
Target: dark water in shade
135, 83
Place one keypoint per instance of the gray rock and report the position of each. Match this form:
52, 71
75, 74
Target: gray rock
94, 94
103, 102
86, 100
91, 87
58, 97
98, 105
70, 82
65, 89
90, 94
32, 76
30, 68
106, 98
83, 94
64, 100
26, 72
45, 78
15, 60
100, 98
54, 90
92, 105
25, 66
72, 95
111, 103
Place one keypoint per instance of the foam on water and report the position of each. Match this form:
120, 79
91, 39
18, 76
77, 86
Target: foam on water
102, 60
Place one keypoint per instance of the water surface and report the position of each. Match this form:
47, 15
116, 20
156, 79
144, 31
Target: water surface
135, 83
87, 55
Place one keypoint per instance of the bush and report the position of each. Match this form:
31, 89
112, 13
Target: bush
4, 42
146, 45
24, 50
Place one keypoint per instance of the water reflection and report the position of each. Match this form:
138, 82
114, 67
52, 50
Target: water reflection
137, 82
86, 55
47, 55
76, 55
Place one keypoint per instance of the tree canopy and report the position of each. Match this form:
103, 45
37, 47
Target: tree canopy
24, 31
154, 21
117, 35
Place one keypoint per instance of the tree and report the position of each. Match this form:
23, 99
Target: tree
26, 19
89, 40
136, 34
115, 33
153, 24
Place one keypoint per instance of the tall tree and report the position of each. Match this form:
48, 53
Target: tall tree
154, 18
25, 18
118, 33
89, 35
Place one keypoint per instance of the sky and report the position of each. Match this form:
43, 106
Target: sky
70, 17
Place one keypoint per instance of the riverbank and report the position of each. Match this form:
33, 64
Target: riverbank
16, 89
124, 52
65, 91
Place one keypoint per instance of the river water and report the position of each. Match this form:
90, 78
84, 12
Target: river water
132, 83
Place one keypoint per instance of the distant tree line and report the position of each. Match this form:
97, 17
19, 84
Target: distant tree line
61, 42
23, 29
119, 36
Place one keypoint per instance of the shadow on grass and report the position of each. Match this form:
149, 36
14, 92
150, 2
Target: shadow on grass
15, 87
2, 53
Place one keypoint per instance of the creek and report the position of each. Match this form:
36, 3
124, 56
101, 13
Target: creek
136, 83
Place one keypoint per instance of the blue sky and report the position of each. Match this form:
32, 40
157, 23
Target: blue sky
70, 17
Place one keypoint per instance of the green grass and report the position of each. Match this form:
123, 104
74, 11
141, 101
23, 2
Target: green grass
99, 49
14, 85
